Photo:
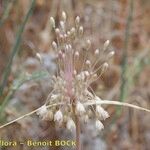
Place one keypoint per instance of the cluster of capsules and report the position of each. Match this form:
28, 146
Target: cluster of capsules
78, 66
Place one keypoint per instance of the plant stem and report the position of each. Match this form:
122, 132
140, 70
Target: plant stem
124, 84
104, 102
15, 86
15, 48
7, 8
77, 122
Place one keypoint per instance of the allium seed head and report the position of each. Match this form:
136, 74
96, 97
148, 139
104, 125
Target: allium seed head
77, 69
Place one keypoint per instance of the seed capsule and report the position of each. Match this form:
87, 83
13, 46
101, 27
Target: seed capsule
102, 114
70, 125
111, 54
80, 30
58, 117
99, 126
77, 21
80, 108
106, 44
52, 21
54, 45
96, 52
42, 111
39, 57
64, 16
88, 44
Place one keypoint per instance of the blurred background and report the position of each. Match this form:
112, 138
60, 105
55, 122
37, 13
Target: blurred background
25, 29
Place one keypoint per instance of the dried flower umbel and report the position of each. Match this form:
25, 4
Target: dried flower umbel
78, 66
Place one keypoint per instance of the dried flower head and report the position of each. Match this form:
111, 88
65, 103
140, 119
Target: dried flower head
78, 66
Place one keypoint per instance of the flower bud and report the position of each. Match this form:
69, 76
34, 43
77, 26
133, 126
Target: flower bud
86, 118
76, 54
62, 24
80, 30
75, 72
86, 73
101, 113
80, 108
96, 52
42, 111
54, 45
88, 62
70, 125
39, 57
73, 30
52, 21
111, 54
88, 44
49, 116
106, 44
99, 126
57, 31
58, 117
104, 67
64, 16
77, 21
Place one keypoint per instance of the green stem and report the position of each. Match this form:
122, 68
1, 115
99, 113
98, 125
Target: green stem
124, 64
7, 8
15, 48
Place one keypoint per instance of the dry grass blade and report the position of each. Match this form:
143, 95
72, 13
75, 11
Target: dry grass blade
26, 115
108, 102
104, 102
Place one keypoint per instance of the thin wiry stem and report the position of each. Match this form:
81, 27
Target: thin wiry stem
78, 142
26, 115
108, 102
7, 9
15, 49
77, 122
103, 102
123, 88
